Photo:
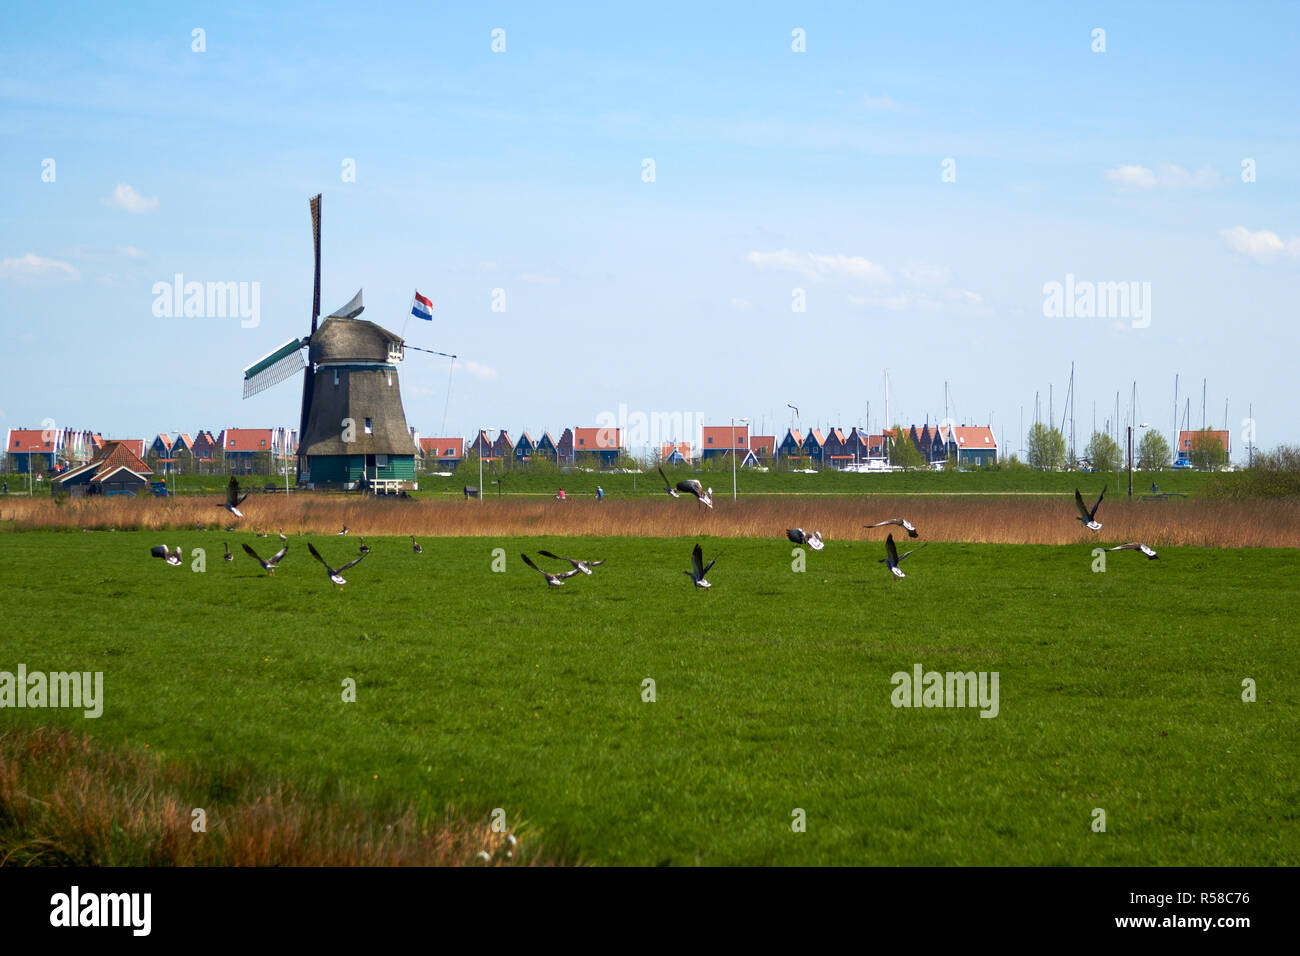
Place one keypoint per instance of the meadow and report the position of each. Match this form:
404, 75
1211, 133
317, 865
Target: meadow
479, 690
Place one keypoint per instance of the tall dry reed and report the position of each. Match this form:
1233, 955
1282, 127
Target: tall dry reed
1036, 519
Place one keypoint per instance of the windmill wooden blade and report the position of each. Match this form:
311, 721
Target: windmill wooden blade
283, 363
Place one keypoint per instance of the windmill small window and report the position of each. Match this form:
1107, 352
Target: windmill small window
368, 428
336, 378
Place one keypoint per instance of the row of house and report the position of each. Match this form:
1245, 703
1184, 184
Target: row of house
971, 446
235, 450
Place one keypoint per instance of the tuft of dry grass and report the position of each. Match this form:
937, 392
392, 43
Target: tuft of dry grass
68, 801
1030, 519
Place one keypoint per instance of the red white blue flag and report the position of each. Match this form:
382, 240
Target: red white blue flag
422, 308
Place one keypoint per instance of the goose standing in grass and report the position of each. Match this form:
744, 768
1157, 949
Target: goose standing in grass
554, 580
233, 498
227, 556
1089, 518
893, 558
668, 485
692, 487
800, 536
365, 548
270, 564
901, 522
335, 574
582, 566
415, 546
699, 568
171, 557
1136, 546
282, 537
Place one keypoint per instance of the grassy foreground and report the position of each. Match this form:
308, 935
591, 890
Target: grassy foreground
479, 690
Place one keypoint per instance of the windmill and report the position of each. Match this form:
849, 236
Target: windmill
352, 429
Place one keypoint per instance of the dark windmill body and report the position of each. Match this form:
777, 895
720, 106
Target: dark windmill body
353, 431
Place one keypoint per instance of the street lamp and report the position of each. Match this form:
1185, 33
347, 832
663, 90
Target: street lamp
1130, 456
482, 437
733, 454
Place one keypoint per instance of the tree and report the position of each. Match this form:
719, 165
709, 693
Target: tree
1207, 450
1046, 448
1103, 452
902, 452
1153, 452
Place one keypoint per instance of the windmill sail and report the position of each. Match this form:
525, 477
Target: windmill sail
351, 310
283, 363
309, 376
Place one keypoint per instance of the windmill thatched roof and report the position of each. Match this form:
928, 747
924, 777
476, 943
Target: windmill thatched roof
350, 340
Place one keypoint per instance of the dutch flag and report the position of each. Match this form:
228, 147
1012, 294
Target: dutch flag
422, 308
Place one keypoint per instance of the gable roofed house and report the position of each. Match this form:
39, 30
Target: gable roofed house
443, 453
836, 450
791, 445
675, 453
136, 446
503, 448
115, 469
718, 440
604, 444
763, 447
813, 446
483, 446
524, 448
565, 448
33, 449
160, 447
545, 447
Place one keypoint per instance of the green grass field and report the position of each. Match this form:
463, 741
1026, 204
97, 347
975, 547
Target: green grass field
1118, 690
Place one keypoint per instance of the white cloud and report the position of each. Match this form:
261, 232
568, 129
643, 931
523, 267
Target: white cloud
1164, 176
923, 273
125, 197
31, 267
1264, 245
478, 371
882, 102
819, 267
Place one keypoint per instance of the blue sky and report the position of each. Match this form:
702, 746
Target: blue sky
774, 171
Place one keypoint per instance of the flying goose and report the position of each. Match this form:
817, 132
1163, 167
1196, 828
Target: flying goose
269, 565
228, 556
1089, 518
692, 487
1136, 546
901, 522
554, 580
336, 574
415, 546
668, 485
699, 569
365, 548
892, 557
800, 536
171, 557
583, 566
233, 498
343, 532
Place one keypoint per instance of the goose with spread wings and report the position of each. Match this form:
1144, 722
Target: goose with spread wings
1136, 546
1089, 518
270, 564
689, 486
233, 498
335, 574
582, 566
901, 522
699, 568
893, 558
668, 485
554, 580
171, 557
800, 536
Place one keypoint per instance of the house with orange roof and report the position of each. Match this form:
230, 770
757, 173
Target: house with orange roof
791, 447
442, 453
33, 450
503, 448
718, 440
525, 448
813, 446
675, 453
116, 469
967, 444
546, 448
763, 447
484, 447
603, 446
242, 446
